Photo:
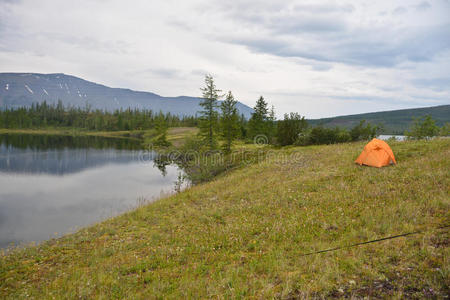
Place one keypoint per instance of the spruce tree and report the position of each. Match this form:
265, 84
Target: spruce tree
208, 116
243, 126
161, 128
258, 121
229, 121
271, 123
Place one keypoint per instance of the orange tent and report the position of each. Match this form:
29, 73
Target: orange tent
376, 153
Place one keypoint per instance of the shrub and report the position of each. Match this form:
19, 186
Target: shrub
303, 138
361, 132
288, 130
445, 130
423, 128
193, 143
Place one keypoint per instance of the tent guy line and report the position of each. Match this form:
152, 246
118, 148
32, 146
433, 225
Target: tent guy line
371, 241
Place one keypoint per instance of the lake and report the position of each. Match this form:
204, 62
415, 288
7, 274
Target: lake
389, 136
53, 185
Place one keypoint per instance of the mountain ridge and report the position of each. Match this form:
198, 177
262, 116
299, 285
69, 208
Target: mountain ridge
23, 89
392, 121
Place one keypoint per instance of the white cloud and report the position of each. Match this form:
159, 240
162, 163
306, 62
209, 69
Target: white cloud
319, 58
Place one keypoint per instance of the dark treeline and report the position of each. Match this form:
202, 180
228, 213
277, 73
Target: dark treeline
43, 115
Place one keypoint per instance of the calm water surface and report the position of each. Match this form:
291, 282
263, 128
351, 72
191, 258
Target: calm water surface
52, 185
389, 136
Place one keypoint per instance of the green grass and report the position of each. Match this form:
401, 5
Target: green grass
176, 136
243, 234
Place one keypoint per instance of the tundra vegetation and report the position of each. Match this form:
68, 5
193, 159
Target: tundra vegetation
246, 233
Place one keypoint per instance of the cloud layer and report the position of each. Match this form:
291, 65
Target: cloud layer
319, 58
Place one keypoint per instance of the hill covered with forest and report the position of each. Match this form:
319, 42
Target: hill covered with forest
392, 122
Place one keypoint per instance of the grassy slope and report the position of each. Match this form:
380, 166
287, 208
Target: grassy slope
243, 235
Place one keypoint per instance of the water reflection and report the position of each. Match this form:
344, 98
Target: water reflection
63, 154
47, 187
46, 142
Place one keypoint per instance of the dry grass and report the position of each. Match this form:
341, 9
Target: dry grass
177, 136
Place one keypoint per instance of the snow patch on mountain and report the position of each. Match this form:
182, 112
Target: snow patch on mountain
28, 88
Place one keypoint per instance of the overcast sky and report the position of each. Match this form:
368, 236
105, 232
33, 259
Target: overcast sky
318, 58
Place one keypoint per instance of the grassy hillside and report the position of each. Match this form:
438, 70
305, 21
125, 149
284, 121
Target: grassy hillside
393, 122
244, 235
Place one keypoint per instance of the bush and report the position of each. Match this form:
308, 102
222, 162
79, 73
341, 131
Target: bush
321, 135
193, 143
303, 138
361, 132
423, 128
342, 135
161, 141
288, 130
445, 130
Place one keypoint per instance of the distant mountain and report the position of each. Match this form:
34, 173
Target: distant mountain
393, 122
22, 89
